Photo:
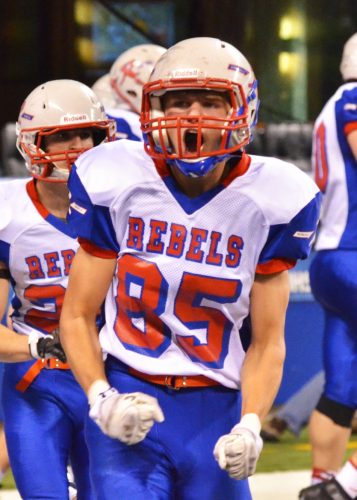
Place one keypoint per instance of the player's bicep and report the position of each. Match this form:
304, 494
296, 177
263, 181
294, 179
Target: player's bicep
269, 301
89, 280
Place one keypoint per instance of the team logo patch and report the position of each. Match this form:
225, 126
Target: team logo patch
27, 116
303, 234
235, 67
78, 208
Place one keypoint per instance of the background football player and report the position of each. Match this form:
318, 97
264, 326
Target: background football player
58, 121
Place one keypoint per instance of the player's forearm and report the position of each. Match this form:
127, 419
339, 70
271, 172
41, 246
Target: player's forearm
14, 347
79, 339
261, 377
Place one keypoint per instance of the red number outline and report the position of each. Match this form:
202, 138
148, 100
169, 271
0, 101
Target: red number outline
154, 337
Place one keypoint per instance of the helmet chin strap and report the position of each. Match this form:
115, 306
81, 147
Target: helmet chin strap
198, 168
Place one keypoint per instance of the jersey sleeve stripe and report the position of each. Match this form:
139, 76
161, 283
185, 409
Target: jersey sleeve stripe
350, 127
275, 266
96, 251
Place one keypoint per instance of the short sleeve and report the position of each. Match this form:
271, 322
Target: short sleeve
91, 222
347, 110
286, 243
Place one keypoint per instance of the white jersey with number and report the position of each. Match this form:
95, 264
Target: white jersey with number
186, 266
335, 170
38, 250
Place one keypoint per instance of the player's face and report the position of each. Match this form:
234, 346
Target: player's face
190, 104
68, 140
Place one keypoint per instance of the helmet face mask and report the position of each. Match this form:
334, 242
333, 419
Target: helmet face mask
130, 71
53, 108
212, 66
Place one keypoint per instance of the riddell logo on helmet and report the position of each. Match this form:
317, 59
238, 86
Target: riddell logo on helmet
185, 73
74, 118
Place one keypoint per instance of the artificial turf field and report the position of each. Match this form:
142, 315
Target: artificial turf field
291, 453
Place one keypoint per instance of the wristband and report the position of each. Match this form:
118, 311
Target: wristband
251, 421
95, 389
32, 341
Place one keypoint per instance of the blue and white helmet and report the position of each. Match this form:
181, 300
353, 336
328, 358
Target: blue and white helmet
200, 64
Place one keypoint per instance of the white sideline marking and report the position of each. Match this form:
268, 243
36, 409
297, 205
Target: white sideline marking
9, 495
278, 485
264, 486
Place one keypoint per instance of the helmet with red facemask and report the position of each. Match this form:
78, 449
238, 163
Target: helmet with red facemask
204, 64
51, 108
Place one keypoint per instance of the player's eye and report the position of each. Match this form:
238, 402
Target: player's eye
59, 137
85, 134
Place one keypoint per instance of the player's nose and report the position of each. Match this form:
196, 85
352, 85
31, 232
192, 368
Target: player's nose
195, 108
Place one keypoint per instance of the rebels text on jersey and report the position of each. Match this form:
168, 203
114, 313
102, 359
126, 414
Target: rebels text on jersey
38, 250
185, 266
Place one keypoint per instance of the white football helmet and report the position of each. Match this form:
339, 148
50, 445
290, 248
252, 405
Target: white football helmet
131, 70
348, 65
103, 90
55, 106
200, 64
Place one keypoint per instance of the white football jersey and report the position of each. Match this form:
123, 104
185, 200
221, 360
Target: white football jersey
127, 122
335, 170
186, 265
38, 249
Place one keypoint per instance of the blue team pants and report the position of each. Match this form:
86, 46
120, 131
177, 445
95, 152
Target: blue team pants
175, 460
333, 277
44, 431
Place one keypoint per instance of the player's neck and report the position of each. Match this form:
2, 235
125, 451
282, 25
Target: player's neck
196, 186
54, 197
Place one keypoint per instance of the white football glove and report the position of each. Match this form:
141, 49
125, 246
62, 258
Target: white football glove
238, 451
127, 417
46, 346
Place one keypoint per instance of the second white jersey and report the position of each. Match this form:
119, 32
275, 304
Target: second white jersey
127, 123
335, 170
186, 266
38, 250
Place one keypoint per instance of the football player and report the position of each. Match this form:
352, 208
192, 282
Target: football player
333, 276
104, 92
44, 406
184, 236
127, 76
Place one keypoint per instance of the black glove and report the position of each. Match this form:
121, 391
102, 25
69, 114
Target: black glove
46, 347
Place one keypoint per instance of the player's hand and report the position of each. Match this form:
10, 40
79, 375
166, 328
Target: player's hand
127, 417
238, 451
45, 347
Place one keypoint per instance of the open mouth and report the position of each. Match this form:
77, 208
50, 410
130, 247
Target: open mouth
191, 141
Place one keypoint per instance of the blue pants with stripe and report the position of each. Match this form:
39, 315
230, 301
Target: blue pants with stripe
44, 429
175, 460
333, 277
